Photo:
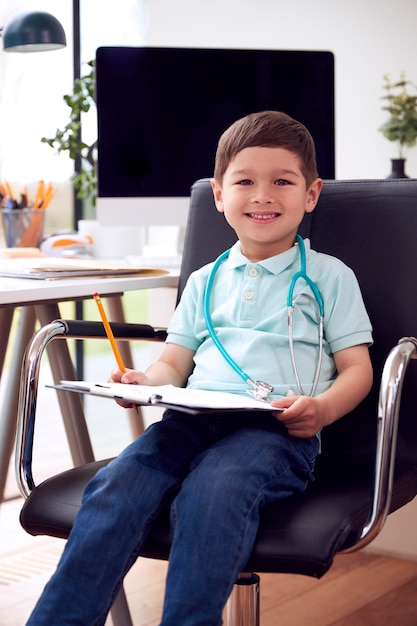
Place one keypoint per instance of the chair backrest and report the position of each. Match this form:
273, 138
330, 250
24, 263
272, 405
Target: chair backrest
371, 225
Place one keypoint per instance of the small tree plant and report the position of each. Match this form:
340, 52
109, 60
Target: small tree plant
401, 104
69, 139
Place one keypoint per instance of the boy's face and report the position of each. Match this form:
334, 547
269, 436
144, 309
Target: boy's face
264, 197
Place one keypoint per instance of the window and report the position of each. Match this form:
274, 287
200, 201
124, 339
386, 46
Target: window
32, 86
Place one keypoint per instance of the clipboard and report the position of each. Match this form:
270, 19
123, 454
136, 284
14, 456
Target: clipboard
168, 396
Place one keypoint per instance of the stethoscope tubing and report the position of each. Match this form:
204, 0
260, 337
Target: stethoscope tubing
260, 387
207, 316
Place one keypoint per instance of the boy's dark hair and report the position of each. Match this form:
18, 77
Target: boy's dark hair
268, 129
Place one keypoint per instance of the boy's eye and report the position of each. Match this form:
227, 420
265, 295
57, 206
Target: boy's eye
282, 182
245, 181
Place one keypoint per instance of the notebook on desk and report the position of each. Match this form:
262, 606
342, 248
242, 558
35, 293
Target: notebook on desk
48, 268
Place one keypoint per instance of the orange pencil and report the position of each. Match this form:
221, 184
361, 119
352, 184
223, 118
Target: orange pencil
49, 194
26, 196
109, 332
39, 195
9, 190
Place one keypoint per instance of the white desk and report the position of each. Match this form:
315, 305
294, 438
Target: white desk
21, 291
39, 299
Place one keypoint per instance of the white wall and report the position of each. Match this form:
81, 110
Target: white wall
369, 38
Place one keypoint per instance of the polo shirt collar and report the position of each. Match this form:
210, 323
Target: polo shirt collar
274, 265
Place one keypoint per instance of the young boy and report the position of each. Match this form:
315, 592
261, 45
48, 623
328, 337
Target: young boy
217, 471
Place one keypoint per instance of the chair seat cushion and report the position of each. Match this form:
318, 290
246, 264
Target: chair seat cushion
298, 535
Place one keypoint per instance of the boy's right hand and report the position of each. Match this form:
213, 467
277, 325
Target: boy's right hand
129, 377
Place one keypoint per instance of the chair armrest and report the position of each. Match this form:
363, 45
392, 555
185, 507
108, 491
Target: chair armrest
26, 412
81, 329
392, 380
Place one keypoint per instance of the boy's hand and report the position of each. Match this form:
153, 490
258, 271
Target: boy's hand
130, 377
302, 417
172, 368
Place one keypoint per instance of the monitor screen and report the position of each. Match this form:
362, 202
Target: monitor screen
161, 112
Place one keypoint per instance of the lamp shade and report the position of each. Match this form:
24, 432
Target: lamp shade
33, 31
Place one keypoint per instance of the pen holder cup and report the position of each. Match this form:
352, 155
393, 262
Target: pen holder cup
23, 228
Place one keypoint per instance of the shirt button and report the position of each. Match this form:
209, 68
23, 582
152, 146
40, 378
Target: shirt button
249, 295
253, 272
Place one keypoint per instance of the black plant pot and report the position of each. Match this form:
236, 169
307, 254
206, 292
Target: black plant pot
398, 169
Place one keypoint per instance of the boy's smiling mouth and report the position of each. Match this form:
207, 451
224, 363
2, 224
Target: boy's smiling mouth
263, 217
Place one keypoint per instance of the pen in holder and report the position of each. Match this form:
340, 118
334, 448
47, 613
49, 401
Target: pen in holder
23, 228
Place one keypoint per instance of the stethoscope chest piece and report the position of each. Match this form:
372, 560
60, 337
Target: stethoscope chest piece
259, 390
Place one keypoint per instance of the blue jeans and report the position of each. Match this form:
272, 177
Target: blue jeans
217, 471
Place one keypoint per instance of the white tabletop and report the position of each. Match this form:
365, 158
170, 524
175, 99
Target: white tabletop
21, 291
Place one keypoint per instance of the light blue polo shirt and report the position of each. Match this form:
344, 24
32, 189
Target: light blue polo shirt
248, 307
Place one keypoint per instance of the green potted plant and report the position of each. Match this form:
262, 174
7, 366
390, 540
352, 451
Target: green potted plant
69, 139
401, 103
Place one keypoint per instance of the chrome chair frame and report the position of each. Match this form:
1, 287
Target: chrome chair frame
347, 212
245, 596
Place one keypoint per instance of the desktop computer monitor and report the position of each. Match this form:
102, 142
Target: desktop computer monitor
161, 112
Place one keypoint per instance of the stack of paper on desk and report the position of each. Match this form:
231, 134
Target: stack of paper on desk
188, 400
52, 268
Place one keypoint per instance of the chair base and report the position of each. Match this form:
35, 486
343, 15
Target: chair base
242, 608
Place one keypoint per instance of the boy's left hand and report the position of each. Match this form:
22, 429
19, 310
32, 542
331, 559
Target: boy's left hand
304, 416
301, 417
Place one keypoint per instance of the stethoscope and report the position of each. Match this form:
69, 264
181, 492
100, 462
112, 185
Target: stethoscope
259, 389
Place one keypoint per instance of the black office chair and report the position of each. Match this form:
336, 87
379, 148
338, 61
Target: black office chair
372, 226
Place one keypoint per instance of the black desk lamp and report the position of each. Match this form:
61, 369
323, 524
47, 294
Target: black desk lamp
33, 31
